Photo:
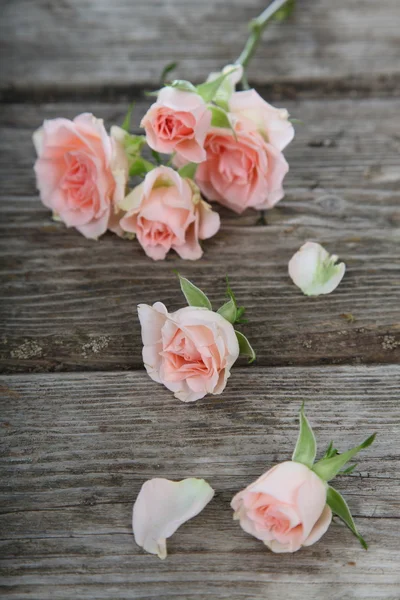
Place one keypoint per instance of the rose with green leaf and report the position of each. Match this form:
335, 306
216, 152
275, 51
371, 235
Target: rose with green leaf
192, 350
291, 505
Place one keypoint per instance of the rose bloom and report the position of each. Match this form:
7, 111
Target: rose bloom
166, 212
178, 122
273, 123
81, 172
285, 508
243, 172
190, 351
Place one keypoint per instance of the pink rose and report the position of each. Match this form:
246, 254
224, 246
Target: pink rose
285, 508
271, 122
166, 212
243, 172
81, 172
190, 351
178, 122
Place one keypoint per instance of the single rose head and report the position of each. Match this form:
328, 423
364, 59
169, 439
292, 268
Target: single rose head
162, 506
272, 123
178, 122
291, 505
242, 170
314, 270
285, 508
167, 213
81, 172
190, 351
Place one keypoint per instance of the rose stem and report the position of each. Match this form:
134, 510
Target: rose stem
256, 27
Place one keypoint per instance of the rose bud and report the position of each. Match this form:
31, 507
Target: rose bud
81, 172
285, 508
166, 213
178, 122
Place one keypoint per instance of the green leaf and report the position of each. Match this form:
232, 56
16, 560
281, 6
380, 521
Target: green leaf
188, 170
126, 125
327, 468
167, 70
228, 311
209, 89
183, 85
156, 157
140, 167
306, 446
219, 117
339, 507
245, 346
194, 296
285, 12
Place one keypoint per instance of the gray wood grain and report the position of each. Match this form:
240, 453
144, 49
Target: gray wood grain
79, 44
68, 303
77, 447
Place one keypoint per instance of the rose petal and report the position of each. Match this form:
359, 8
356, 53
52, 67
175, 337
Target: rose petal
314, 270
320, 527
162, 506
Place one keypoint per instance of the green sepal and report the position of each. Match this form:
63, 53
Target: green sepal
245, 347
133, 144
126, 125
188, 170
209, 89
219, 117
327, 468
338, 506
194, 296
228, 311
140, 167
306, 446
166, 70
348, 470
330, 451
183, 85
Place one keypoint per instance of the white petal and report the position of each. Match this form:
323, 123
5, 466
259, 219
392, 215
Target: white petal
314, 270
37, 139
162, 506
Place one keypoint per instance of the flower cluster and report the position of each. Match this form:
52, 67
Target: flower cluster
220, 144
287, 508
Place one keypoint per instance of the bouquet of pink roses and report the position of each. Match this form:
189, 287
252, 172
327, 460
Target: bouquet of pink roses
217, 144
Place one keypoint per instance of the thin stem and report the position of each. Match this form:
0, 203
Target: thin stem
257, 26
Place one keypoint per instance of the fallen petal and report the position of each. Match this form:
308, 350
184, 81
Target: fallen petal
162, 506
314, 270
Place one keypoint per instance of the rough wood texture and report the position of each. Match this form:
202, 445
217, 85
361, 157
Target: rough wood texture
76, 449
69, 303
100, 43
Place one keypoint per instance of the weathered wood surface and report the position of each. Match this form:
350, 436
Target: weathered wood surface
59, 44
69, 303
77, 447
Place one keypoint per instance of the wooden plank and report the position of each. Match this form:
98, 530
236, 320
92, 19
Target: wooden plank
77, 448
68, 303
78, 44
